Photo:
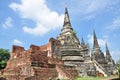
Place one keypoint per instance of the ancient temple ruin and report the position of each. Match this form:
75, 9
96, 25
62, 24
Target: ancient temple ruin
77, 54
61, 58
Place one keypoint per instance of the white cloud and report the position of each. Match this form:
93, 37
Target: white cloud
89, 17
115, 24
100, 5
95, 5
101, 42
38, 11
17, 42
89, 9
8, 23
115, 54
90, 38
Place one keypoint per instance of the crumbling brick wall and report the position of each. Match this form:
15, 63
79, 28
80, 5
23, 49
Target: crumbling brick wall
35, 63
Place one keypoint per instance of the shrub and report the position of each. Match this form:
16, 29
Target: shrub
119, 70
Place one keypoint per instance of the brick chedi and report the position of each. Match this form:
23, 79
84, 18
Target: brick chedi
97, 54
77, 54
98, 57
70, 52
111, 64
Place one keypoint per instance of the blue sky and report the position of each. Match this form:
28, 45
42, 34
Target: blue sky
26, 22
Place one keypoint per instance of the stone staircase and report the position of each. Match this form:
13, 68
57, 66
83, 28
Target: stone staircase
100, 68
66, 73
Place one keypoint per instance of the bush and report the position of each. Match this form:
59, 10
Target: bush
119, 70
74, 33
4, 57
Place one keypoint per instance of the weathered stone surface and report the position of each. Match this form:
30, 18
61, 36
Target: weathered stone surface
74, 53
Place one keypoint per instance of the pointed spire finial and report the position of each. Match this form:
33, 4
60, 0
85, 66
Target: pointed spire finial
108, 55
95, 42
66, 18
107, 50
83, 42
66, 25
106, 46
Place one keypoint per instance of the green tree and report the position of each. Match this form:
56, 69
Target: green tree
4, 57
119, 70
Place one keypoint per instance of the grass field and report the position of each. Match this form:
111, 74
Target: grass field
95, 78
91, 78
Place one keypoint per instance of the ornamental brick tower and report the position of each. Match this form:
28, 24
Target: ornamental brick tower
70, 50
97, 54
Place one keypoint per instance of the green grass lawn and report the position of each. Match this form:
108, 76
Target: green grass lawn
94, 78
90, 78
